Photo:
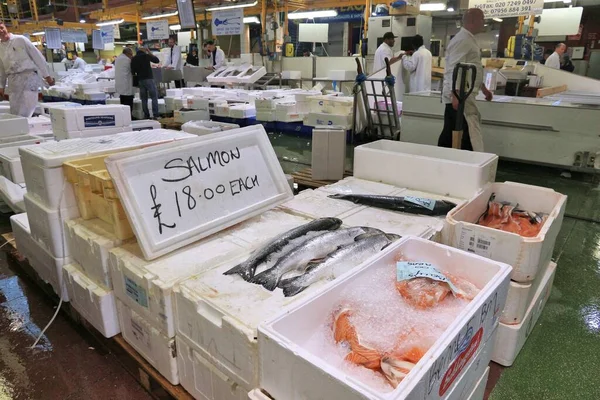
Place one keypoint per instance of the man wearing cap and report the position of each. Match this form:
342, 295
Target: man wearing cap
385, 51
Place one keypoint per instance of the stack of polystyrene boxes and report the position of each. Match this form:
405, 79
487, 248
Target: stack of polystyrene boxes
90, 121
533, 271
50, 200
266, 107
330, 110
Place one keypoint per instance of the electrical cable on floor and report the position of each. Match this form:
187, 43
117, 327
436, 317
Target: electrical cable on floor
62, 283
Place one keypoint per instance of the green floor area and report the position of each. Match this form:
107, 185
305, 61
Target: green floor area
561, 358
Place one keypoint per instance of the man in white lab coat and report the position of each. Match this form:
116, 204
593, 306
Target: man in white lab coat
124, 78
174, 60
78, 62
23, 67
385, 51
419, 66
554, 60
463, 48
217, 56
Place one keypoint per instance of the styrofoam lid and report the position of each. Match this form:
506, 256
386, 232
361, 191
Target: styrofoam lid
10, 116
53, 154
22, 220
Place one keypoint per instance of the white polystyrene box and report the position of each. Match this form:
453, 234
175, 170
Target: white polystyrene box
191, 115
47, 225
94, 303
511, 338
147, 286
149, 341
42, 164
39, 124
450, 172
527, 256
77, 119
89, 242
47, 267
323, 119
87, 133
317, 204
47, 107
21, 140
478, 392
13, 125
288, 117
174, 92
341, 75
265, 115
146, 124
10, 164
518, 300
201, 379
12, 194
286, 365
206, 127
242, 111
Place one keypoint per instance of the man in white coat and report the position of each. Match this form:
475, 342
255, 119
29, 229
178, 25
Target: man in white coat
419, 66
217, 56
23, 67
554, 60
78, 62
124, 78
174, 60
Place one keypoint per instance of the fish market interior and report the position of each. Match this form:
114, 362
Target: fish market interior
300, 199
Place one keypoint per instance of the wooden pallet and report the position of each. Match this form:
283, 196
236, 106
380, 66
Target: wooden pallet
157, 385
169, 123
303, 178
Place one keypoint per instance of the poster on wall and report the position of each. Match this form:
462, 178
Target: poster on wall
187, 14
108, 34
508, 8
158, 29
227, 22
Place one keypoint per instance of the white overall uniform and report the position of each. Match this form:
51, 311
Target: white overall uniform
23, 67
419, 66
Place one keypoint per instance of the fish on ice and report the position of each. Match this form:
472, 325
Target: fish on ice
348, 256
247, 268
314, 248
345, 332
507, 217
407, 204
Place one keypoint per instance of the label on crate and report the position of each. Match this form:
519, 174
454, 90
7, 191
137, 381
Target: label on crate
136, 292
421, 201
178, 193
476, 242
95, 121
141, 334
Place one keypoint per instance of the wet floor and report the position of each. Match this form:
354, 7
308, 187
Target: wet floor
559, 361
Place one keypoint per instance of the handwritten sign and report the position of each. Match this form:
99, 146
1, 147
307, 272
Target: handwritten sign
178, 193
227, 22
508, 8
158, 29
421, 201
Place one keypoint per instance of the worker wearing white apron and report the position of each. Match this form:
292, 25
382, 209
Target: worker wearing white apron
217, 56
174, 60
22, 66
419, 66
463, 48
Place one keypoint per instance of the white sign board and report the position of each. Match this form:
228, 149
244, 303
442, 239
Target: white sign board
313, 33
116, 32
227, 22
53, 38
97, 40
559, 22
508, 8
187, 15
158, 29
108, 34
178, 193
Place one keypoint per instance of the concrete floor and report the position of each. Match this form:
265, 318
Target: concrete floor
561, 359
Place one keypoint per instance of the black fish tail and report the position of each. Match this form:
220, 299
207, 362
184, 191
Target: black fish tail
267, 279
240, 269
292, 286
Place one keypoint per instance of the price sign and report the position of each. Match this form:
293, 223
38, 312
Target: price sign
187, 14
108, 34
97, 43
158, 29
227, 22
53, 38
178, 193
508, 8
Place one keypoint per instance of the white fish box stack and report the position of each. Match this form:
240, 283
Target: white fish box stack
12, 194
453, 365
90, 121
330, 110
40, 125
530, 257
13, 125
50, 200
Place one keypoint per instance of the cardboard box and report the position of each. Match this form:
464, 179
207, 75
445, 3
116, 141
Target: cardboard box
405, 10
328, 154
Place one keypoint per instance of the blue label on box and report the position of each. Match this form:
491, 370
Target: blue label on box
91, 121
406, 270
421, 201
136, 292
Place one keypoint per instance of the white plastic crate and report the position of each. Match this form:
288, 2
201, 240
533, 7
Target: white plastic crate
87, 119
149, 341
47, 225
147, 286
527, 256
42, 164
13, 125
12, 194
201, 379
519, 298
47, 267
89, 242
94, 303
511, 338
316, 204
286, 365
450, 172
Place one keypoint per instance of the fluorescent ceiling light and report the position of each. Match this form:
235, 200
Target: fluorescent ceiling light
40, 33
82, 21
450, 9
112, 22
165, 15
175, 27
433, 7
234, 5
312, 14
497, 19
251, 20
